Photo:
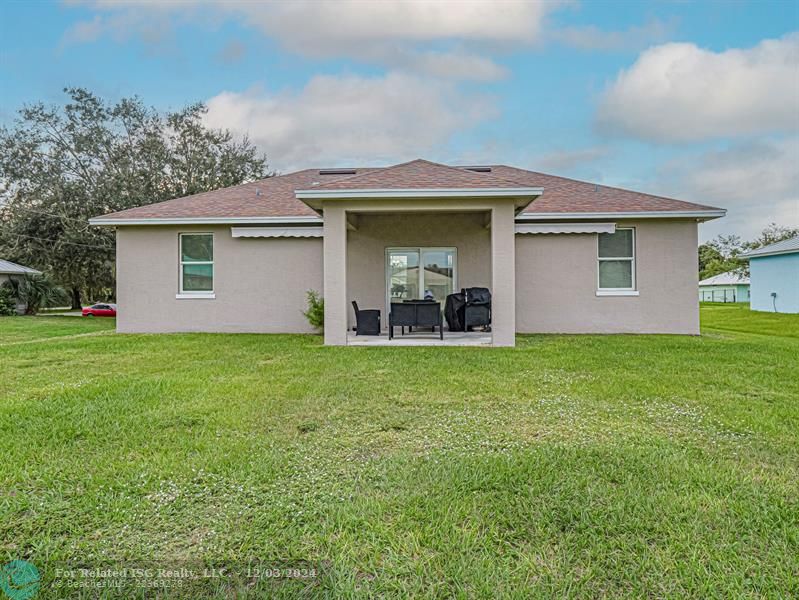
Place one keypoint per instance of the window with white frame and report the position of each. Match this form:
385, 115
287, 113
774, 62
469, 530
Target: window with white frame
196, 263
616, 258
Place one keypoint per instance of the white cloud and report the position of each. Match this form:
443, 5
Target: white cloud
153, 27
339, 120
85, 31
443, 38
757, 182
312, 26
591, 37
446, 65
307, 25
681, 93
398, 34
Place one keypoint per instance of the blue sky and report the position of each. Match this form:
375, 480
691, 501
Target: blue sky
698, 100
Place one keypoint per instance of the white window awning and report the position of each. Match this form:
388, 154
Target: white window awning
525, 228
276, 232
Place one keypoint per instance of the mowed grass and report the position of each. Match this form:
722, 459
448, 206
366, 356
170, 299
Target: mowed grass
570, 466
33, 329
738, 317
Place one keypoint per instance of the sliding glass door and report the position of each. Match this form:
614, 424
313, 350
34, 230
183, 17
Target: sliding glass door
413, 273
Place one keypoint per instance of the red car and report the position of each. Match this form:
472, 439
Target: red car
100, 310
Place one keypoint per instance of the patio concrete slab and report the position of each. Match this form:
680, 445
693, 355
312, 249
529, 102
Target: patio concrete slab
425, 338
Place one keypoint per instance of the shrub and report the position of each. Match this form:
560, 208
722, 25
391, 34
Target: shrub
8, 302
36, 291
316, 310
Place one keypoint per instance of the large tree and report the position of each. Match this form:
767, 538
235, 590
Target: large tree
771, 235
721, 254
59, 166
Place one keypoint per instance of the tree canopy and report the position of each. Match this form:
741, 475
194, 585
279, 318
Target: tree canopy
721, 254
59, 166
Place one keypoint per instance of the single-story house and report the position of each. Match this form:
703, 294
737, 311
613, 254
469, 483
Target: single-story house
774, 277
558, 255
10, 270
725, 287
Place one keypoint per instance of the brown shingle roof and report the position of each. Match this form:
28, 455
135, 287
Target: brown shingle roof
563, 195
271, 197
275, 196
421, 174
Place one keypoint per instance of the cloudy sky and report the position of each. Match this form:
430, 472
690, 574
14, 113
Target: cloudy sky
697, 100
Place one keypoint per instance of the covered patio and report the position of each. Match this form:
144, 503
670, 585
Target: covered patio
385, 242
401, 257
358, 234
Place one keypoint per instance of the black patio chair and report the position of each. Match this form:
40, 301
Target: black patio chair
402, 314
415, 314
477, 310
428, 314
367, 322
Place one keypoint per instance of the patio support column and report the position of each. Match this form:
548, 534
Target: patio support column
503, 274
335, 274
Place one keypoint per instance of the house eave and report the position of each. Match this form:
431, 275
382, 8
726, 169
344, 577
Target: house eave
702, 215
419, 193
103, 222
27, 272
308, 220
314, 197
764, 254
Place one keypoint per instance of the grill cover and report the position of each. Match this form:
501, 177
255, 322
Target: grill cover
453, 311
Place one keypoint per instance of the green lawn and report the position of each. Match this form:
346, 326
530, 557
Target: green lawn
15, 330
738, 317
570, 466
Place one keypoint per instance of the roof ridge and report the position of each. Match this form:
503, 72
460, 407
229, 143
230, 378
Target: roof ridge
488, 176
481, 174
731, 277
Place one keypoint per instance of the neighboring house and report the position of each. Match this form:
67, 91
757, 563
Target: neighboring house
725, 287
774, 277
9, 270
558, 255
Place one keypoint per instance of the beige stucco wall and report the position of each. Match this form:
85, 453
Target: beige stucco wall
366, 249
260, 283
556, 281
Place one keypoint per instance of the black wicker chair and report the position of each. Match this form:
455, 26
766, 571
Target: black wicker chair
477, 310
402, 314
415, 314
367, 322
428, 314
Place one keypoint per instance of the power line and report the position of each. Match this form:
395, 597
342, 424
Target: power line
39, 212
33, 237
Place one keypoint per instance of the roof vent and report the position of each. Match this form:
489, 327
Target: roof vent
596, 188
257, 191
479, 169
337, 172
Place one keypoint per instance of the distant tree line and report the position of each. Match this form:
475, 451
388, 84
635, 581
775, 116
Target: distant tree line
59, 166
721, 254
